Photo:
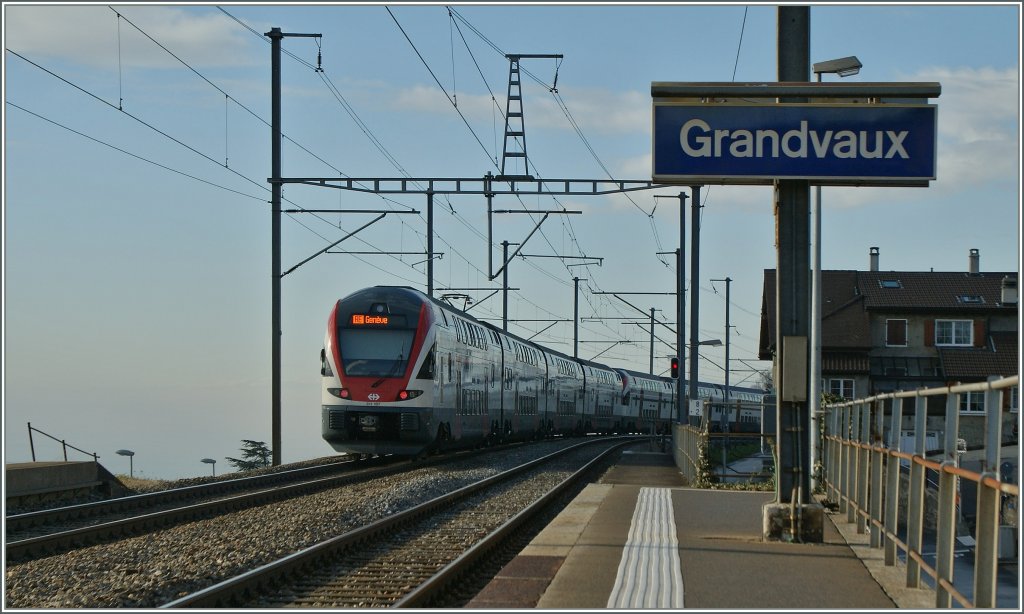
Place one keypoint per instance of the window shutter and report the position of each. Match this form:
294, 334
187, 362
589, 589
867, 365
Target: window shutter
979, 333
929, 332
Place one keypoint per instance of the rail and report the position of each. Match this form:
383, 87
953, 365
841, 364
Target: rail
66, 445
862, 476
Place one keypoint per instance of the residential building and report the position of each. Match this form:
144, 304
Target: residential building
884, 331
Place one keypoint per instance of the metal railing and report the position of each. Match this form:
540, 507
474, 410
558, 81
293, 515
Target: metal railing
862, 475
64, 444
693, 442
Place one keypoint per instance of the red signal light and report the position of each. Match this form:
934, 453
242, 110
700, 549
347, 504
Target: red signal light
675, 366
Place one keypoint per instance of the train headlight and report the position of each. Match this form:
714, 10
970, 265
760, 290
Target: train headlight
405, 395
341, 393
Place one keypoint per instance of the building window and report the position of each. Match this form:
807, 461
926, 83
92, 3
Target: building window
890, 283
896, 333
972, 402
841, 388
954, 332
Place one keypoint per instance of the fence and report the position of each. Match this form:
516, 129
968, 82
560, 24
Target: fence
64, 444
692, 442
862, 475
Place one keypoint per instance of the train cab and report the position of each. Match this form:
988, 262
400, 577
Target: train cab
378, 372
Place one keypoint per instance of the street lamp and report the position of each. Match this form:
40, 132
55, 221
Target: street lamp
844, 67
213, 465
129, 454
694, 356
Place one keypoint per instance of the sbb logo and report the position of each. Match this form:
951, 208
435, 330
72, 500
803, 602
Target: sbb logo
373, 396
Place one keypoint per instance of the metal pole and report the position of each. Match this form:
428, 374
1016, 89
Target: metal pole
576, 318
681, 312
652, 340
694, 296
792, 280
430, 243
725, 419
815, 388
504, 286
31, 444
490, 222
275, 242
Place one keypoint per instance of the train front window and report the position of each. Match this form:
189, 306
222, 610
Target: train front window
375, 352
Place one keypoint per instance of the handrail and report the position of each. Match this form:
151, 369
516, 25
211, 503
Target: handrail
63, 443
862, 472
1006, 382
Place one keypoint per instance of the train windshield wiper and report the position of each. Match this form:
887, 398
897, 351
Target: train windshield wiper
391, 371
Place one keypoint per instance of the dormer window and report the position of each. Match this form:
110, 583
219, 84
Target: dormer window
971, 299
890, 283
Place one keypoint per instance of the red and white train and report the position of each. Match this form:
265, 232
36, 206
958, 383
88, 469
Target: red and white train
404, 373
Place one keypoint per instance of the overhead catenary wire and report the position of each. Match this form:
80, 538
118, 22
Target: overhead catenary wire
164, 133
461, 115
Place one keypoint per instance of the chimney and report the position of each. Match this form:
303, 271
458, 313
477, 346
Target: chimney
1009, 295
974, 262
873, 253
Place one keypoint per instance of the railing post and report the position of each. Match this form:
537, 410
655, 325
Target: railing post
828, 419
915, 504
946, 533
892, 486
875, 492
842, 456
31, 444
839, 430
986, 553
863, 469
64, 444
853, 424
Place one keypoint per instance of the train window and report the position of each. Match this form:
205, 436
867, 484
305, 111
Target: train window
375, 353
427, 370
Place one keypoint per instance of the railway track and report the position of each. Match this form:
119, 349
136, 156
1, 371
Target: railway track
409, 559
47, 532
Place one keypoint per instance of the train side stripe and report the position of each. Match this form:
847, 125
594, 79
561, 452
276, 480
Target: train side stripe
649, 573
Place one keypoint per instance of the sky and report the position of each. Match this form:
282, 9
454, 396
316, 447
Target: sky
137, 224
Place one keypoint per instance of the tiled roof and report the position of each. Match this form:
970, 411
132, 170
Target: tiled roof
849, 296
929, 291
997, 358
844, 321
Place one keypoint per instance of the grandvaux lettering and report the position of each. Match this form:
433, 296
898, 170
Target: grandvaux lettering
699, 139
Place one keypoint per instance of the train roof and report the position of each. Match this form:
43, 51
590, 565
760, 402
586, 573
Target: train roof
597, 365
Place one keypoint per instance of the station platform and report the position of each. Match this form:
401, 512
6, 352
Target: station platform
641, 538
56, 480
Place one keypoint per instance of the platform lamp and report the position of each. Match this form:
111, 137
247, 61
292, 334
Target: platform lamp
844, 67
213, 464
131, 467
693, 370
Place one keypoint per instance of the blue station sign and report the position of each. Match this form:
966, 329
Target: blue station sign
828, 144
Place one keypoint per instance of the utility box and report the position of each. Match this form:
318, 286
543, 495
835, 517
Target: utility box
794, 369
